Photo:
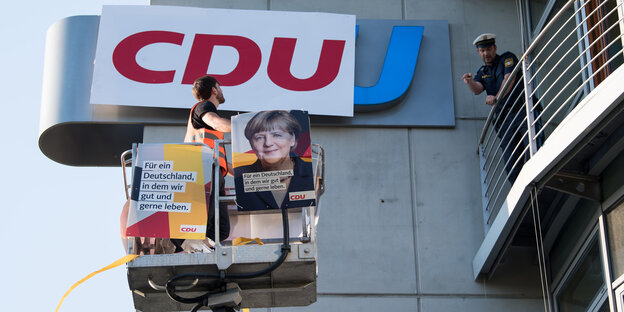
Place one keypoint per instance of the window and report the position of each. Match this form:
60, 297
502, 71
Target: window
575, 229
615, 224
583, 288
619, 297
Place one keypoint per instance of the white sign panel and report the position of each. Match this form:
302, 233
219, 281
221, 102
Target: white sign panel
264, 60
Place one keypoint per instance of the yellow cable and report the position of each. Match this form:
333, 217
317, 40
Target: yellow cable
117, 263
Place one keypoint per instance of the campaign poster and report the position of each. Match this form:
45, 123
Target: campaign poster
170, 186
272, 160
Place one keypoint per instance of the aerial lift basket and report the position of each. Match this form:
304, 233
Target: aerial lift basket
291, 283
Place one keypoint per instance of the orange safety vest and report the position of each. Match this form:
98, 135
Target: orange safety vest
207, 137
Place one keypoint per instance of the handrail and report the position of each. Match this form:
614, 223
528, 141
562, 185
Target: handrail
591, 76
124, 163
517, 68
557, 70
320, 179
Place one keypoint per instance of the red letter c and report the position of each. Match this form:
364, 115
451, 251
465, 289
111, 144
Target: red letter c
124, 56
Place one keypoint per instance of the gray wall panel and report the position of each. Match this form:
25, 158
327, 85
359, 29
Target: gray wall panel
481, 304
164, 134
378, 9
454, 13
365, 228
356, 304
448, 203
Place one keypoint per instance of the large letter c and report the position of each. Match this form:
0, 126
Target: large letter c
124, 56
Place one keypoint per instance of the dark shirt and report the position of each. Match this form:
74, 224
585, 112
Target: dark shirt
491, 77
199, 111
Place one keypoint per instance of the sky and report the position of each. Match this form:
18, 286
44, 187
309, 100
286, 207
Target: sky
61, 222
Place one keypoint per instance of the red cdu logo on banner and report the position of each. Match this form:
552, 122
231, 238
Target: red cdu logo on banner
296, 60
249, 59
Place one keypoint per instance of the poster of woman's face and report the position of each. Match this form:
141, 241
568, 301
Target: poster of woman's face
271, 156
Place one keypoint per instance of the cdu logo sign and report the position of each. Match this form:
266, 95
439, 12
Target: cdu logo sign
402, 75
249, 60
394, 80
376, 72
296, 60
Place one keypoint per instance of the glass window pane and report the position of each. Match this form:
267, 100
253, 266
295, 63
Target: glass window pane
570, 234
604, 307
584, 283
537, 10
615, 224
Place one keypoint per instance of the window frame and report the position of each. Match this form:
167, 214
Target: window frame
577, 257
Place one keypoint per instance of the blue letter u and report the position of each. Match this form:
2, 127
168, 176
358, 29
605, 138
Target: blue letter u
397, 72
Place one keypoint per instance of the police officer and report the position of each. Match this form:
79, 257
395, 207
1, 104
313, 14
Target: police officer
508, 115
494, 73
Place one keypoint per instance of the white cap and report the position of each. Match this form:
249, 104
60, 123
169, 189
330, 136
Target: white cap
484, 40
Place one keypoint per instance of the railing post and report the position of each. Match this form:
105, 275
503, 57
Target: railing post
216, 172
485, 201
620, 5
529, 108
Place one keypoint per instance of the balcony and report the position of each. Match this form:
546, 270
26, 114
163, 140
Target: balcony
555, 126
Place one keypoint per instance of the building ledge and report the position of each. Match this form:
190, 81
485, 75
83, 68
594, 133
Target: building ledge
594, 108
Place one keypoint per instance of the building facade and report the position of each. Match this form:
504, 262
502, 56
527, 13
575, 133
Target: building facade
426, 217
400, 224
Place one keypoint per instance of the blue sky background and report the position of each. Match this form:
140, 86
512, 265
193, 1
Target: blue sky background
60, 222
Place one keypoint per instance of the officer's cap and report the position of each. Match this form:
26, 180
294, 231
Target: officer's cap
485, 40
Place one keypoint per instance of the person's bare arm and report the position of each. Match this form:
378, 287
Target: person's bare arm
230, 169
216, 122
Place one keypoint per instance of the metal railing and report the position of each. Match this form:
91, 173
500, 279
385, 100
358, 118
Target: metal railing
578, 48
309, 215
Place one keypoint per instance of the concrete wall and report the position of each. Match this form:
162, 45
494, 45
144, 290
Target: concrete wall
401, 217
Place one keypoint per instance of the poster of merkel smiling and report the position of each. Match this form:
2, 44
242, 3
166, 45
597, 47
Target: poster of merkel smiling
271, 156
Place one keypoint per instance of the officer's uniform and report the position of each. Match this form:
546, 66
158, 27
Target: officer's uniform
509, 119
491, 77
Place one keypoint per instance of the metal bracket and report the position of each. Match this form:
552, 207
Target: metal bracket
583, 186
231, 298
306, 251
224, 257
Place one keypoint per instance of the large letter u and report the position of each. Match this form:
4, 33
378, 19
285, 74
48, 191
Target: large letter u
397, 72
